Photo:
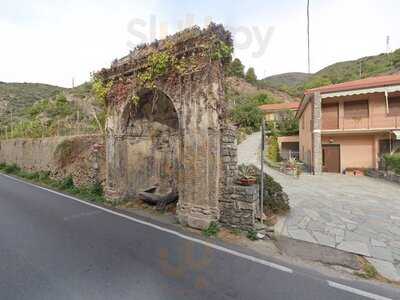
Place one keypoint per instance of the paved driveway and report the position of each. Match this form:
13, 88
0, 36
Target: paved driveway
355, 214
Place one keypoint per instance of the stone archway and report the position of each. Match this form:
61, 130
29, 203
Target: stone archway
166, 124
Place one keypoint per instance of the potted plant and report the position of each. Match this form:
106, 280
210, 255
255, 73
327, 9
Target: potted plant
247, 175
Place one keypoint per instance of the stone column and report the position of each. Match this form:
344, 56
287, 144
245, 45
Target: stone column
200, 157
317, 146
116, 158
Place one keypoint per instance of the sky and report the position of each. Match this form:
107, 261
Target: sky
60, 42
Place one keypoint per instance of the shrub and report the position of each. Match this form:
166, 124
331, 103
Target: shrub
12, 169
67, 183
275, 199
92, 193
248, 115
211, 230
273, 149
252, 235
96, 189
392, 162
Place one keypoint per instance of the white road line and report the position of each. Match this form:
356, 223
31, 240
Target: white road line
356, 291
183, 236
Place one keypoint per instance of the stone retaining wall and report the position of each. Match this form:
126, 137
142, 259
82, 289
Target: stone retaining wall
238, 204
86, 165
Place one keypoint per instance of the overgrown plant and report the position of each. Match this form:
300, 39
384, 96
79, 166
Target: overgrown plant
211, 230
100, 89
275, 200
273, 149
252, 235
93, 192
392, 162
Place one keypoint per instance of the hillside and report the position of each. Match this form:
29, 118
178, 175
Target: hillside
238, 87
15, 97
285, 80
35, 110
370, 66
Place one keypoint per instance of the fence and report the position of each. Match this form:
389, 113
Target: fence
41, 130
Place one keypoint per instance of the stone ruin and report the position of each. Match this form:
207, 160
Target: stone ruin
167, 126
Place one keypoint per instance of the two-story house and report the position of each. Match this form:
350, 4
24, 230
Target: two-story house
349, 125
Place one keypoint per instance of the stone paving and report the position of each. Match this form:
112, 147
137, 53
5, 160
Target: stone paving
355, 214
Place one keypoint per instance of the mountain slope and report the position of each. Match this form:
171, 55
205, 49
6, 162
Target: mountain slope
36, 110
240, 87
365, 67
15, 97
286, 79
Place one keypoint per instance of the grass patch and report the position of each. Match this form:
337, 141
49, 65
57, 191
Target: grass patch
93, 193
368, 271
211, 230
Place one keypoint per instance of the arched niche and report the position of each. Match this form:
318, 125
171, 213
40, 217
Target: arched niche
153, 143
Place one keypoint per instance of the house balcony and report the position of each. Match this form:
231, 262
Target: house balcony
374, 122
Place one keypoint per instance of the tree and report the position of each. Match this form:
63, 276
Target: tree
236, 68
273, 149
251, 76
287, 124
248, 115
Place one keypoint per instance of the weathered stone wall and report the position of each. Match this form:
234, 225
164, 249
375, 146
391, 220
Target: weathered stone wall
86, 165
182, 77
238, 204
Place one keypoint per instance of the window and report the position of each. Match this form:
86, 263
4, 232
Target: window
356, 109
394, 106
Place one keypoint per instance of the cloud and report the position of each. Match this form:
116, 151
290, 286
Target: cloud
54, 41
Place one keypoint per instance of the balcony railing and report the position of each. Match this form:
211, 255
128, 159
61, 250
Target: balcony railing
376, 121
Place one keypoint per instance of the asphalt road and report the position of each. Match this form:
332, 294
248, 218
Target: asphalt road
54, 247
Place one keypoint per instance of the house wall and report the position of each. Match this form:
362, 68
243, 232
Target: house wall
377, 119
305, 136
355, 151
287, 144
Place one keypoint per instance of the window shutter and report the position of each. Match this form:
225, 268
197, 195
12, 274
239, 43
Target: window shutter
356, 109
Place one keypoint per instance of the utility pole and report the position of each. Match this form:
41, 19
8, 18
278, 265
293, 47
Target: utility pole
308, 36
360, 69
262, 171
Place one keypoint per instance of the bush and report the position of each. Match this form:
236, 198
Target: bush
248, 115
252, 235
96, 189
12, 169
273, 149
286, 125
67, 183
92, 193
275, 199
211, 230
392, 162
